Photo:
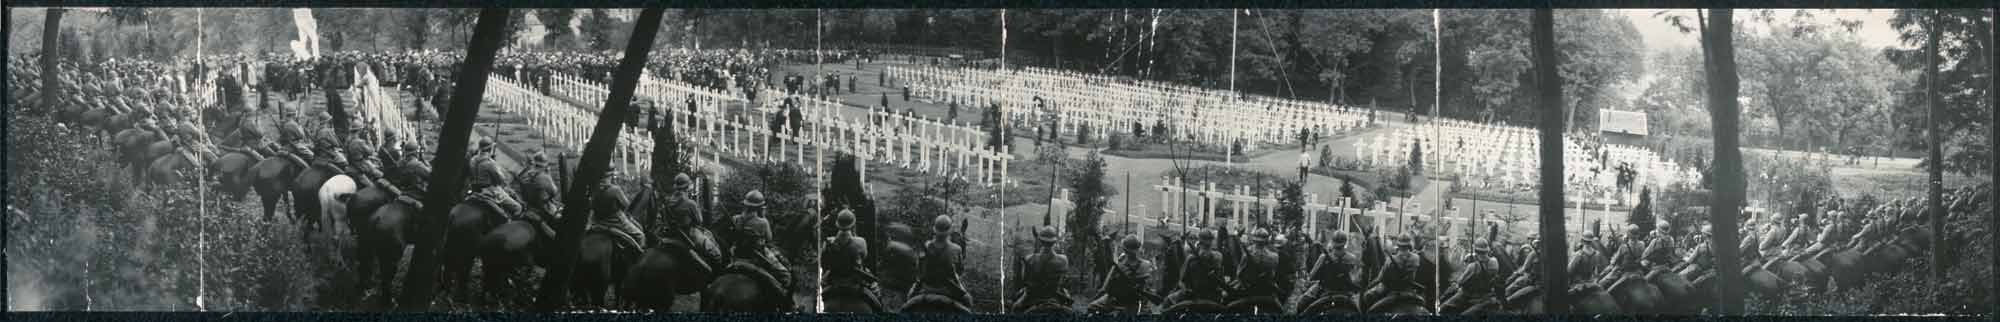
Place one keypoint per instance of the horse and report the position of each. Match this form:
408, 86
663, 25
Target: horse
509, 247
271, 179
848, 298
469, 221
598, 264
305, 190
743, 287
382, 238
1331, 304
333, 196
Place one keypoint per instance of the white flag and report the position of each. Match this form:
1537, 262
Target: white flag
308, 30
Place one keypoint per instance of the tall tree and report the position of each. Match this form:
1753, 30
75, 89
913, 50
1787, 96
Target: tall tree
596, 158
51, 30
420, 284
1965, 53
1936, 184
1717, 39
1554, 238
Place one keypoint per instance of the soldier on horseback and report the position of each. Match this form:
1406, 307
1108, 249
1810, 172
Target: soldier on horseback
608, 214
753, 203
1257, 276
843, 256
1201, 278
1330, 275
1398, 278
1045, 274
1125, 287
756, 249
538, 190
365, 164
1475, 285
489, 182
685, 225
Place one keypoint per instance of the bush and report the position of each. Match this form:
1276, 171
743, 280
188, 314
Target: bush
1114, 141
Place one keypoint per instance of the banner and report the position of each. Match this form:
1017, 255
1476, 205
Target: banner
308, 30
299, 50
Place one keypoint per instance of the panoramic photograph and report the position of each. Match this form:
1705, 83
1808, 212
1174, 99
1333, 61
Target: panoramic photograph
1134, 161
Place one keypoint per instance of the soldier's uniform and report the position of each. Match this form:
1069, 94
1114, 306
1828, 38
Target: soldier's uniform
1399, 276
1257, 276
940, 265
1330, 275
733, 233
489, 182
1125, 287
758, 251
685, 225
1046, 275
608, 214
1201, 279
1476, 282
843, 256
539, 192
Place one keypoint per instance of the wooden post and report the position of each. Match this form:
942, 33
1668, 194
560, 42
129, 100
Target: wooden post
1553, 240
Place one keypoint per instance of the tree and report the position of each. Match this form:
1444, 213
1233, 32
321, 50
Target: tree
1543, 43
600, 31
596, 154
51, 27
1090, 195
1965, 54
1717, 39
451, 167
1292, 205
556, 22
1936, 184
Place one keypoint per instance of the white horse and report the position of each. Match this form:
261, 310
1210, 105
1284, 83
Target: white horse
333, 196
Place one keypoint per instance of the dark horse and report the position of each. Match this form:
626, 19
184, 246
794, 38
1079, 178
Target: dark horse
742, 287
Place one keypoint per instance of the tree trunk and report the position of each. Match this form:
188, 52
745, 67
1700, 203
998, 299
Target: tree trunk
596, 159
1931, 94
1727, 202
1993, 93
1554, 238
51, 25
447, 183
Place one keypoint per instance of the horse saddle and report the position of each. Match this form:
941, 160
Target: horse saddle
626, 242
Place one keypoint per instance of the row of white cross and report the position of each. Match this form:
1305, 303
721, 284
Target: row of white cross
1508, 156
928, 146
569, 125
1387, 222
1210, 116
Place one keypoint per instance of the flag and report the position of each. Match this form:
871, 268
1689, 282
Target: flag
308, 31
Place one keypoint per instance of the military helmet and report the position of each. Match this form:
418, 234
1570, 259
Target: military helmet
753, 199
844, 219
1131, 243
540, 159
1045, 234
941, 224
1403, 242
681, 182
1205, 235
1260, 236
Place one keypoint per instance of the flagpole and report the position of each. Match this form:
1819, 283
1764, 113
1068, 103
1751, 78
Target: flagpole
1003, 39
1233, 13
